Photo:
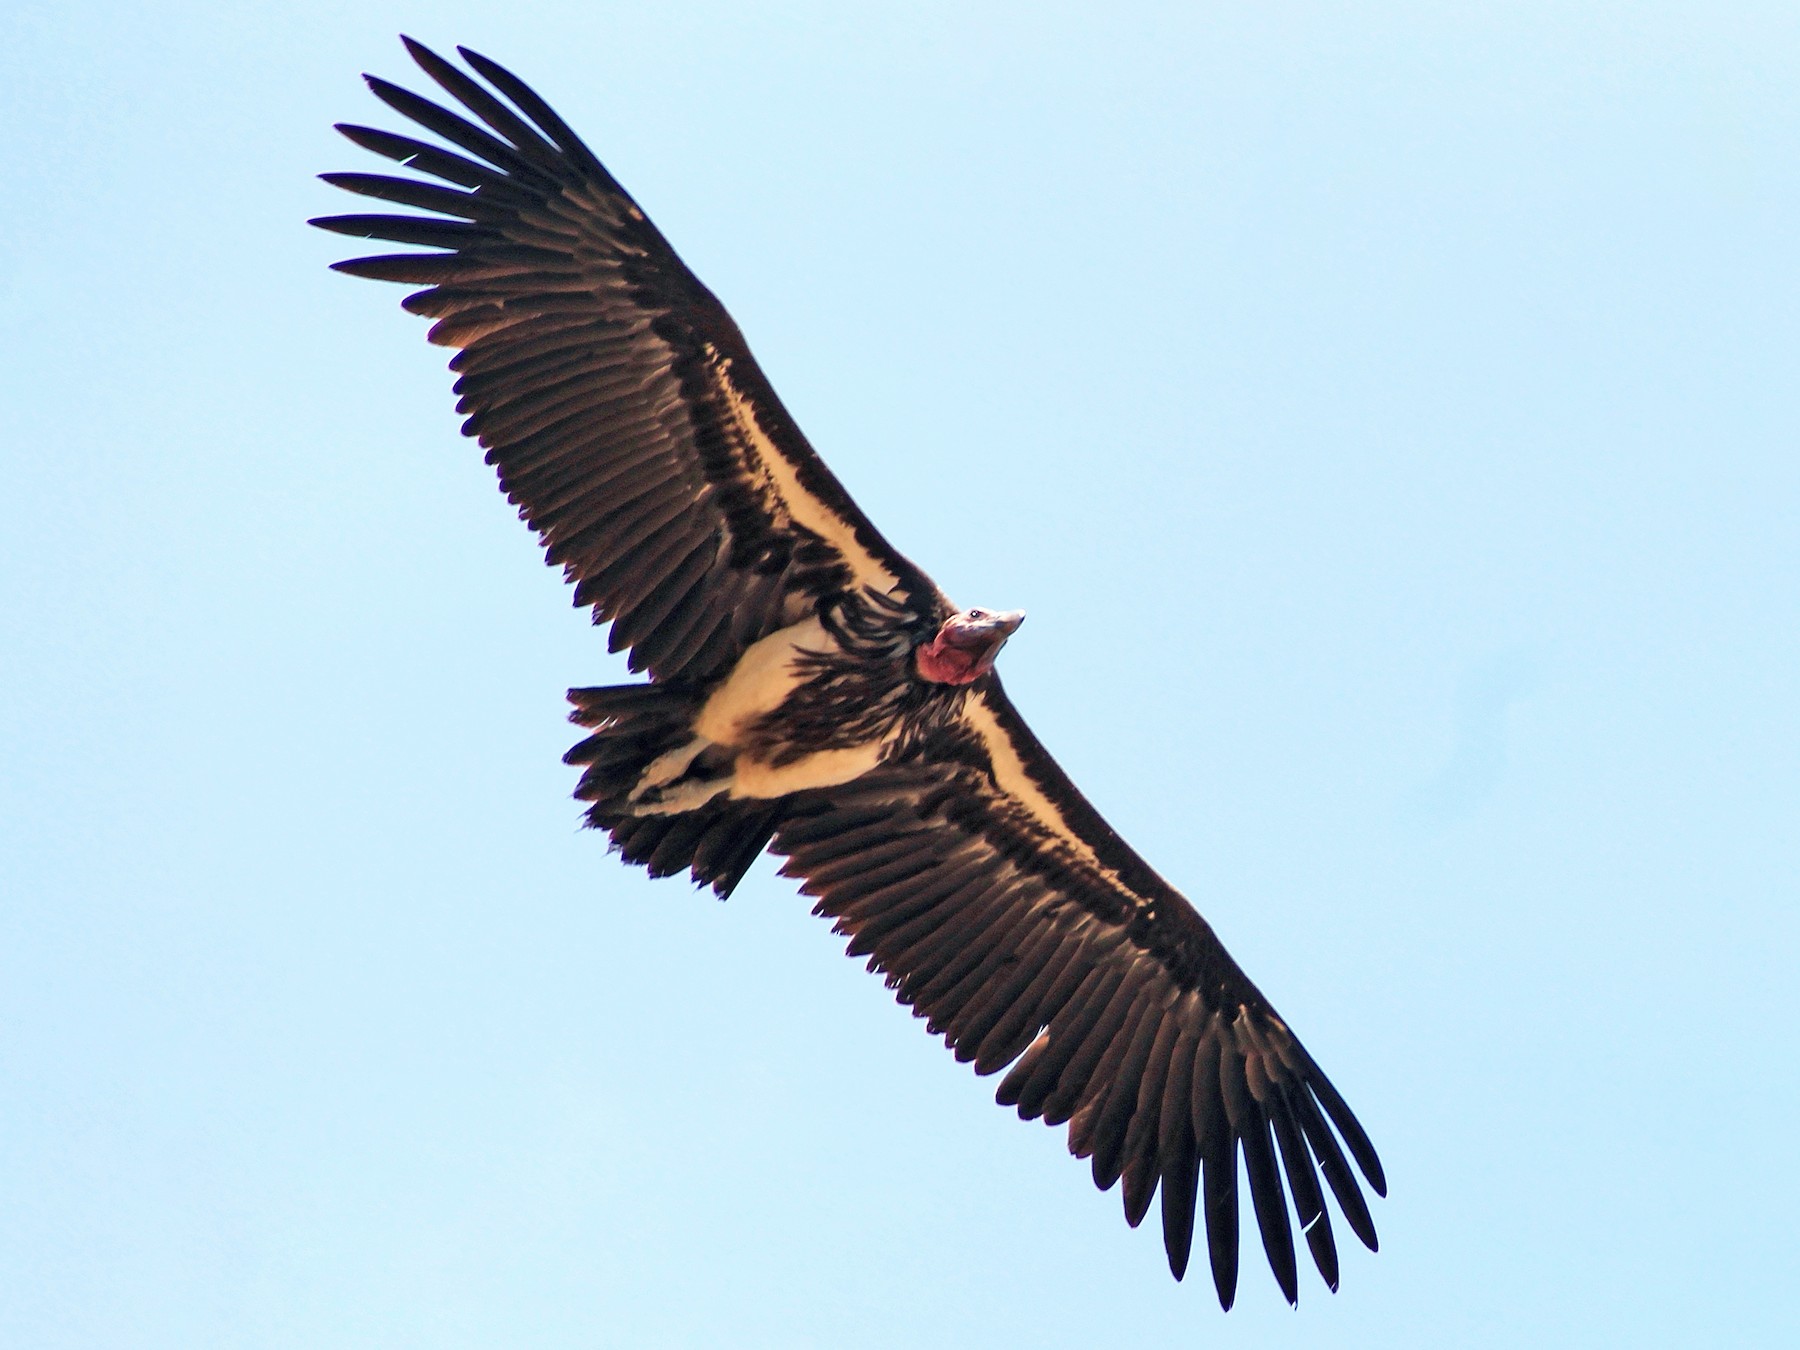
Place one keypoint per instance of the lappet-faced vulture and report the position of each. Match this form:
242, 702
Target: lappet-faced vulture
811, 691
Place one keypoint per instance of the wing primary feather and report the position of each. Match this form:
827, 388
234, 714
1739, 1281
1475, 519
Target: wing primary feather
1331, 1162
1142, 1165
1112, 1114
961, 989
1204, 1101
1303, 1182
1269, 1201
423, 196
1139, 1166
528, 102
512, 264
1215, 1144
1219, 1156
411, 268
1348, 1126
456, 130
1087, 1011
1176, 1154
483, 104
431, 159
1062, 990
420, 230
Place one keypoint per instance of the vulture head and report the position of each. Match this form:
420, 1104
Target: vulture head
965, 647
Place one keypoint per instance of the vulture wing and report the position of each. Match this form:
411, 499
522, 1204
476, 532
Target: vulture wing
1006, 912
634, 431
616, 397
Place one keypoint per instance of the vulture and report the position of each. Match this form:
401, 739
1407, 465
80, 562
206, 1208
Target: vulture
811, 691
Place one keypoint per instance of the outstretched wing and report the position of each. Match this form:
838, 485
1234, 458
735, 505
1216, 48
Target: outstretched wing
616, 397
1007, 913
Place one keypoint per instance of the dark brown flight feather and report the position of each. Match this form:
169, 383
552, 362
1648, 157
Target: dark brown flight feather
630, 425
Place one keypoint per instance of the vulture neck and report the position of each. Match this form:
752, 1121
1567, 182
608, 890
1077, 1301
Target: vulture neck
941, 663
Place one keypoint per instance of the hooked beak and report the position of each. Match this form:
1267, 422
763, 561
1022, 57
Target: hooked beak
987, 635
1000, 627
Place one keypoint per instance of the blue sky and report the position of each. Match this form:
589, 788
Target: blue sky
1386, 415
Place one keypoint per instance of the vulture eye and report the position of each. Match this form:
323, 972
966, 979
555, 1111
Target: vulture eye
978, 614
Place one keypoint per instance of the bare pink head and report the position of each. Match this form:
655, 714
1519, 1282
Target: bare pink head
965, 647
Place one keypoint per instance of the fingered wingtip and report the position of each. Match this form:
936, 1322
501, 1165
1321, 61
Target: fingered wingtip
423, 57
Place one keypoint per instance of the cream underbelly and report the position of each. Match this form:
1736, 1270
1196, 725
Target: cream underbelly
764, 677
825, 768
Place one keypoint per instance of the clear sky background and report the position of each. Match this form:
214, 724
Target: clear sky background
1385, 412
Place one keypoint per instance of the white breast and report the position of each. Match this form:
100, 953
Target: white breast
762, 680
823, 768
763, 677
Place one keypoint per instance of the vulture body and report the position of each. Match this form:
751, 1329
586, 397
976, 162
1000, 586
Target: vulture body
812, 691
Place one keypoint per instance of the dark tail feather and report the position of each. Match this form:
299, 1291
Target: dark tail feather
632, 725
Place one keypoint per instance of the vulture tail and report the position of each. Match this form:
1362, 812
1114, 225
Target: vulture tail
660, 790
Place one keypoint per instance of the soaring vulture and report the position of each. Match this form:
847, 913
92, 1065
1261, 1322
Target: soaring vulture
811, 691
